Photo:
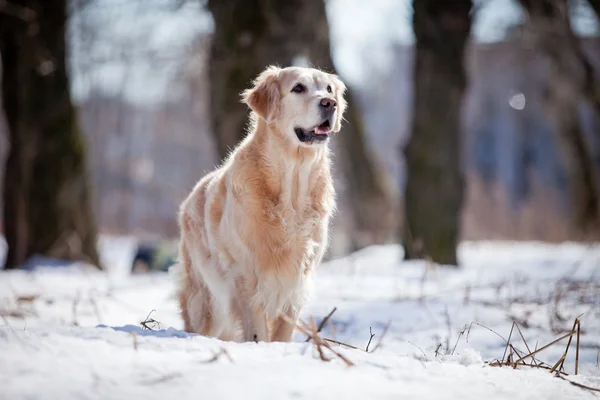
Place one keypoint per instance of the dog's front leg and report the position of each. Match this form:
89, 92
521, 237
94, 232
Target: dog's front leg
255, 325
254, 321
284, 328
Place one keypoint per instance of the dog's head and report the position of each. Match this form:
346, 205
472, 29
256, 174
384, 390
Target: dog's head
304, 104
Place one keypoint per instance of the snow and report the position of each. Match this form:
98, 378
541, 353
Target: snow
79, 334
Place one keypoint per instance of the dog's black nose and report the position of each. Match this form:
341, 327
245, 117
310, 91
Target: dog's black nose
327, 103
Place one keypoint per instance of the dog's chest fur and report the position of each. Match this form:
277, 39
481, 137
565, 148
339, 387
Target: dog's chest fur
284, 215
293, 209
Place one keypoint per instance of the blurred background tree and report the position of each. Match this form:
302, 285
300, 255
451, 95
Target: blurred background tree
46, 192
434, 189
250, 35
572, 81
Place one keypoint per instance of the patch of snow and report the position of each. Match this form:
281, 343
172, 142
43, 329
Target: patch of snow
76, 333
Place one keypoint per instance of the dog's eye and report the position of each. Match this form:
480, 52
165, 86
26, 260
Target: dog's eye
299, 88
329, 88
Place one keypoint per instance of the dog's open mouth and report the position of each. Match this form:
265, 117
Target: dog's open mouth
317, 134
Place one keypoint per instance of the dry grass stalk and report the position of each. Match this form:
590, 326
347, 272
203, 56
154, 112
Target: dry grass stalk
163, 379
518, 353
150, 323
437, 350
460, 334
498, 363
424, 355
135, 341
579, 385
577, 349
74, 309
491, 330
318, 339
217, 355
314, 335
545, 347
561, 362
533, 360
342, 344
508, 341
558, 367
370, 338
385, 331
313, 328
323, 322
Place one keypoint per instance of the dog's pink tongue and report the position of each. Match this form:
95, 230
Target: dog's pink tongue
322, 131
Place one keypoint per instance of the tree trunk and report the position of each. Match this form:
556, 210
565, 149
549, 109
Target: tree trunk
434, 189
571, 80
252, 34
46, 196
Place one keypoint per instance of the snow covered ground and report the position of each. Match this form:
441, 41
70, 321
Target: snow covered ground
75, 334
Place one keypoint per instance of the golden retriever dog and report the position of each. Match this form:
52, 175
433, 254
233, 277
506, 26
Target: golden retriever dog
253, 230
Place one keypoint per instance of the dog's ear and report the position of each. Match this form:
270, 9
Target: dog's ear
341, 103
264, 97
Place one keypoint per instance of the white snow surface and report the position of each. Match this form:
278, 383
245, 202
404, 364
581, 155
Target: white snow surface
79, 336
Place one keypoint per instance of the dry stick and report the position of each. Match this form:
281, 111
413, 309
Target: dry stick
577, 348
385, 331
74, 309
449, 326
217, 355
458, 338
323, 322
321, 354
226, 353
561, 362
342, 344
146, 323
425, 355
513, 351
499, 363
508, 341
526, 345
491, 330
536, 347
546, 346
437, 350
579, 385
501, 337
149, 314
318, 339
315, 337
371, 338
340, 355
135, 342
328, 346
313, 327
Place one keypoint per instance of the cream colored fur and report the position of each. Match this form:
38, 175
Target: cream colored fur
253, 230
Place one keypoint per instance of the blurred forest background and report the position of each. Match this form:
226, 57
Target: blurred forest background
478, 120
